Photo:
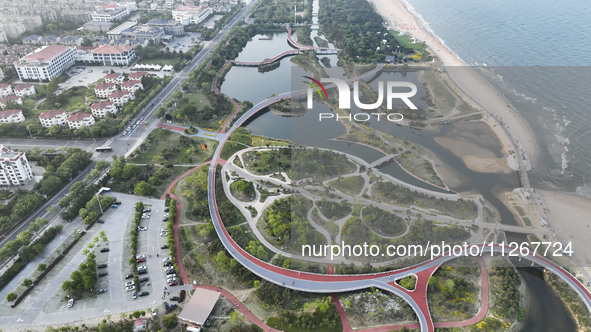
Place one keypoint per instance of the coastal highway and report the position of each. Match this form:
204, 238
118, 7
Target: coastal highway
121, 144
330, 283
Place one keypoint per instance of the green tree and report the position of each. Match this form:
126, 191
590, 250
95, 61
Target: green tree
169, 321
27, 282
143, 189
11, 297
42, 267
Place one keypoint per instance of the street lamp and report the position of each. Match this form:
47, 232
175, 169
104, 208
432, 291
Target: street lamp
98, 198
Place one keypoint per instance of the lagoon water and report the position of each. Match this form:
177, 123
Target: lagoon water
537, 53
246, 83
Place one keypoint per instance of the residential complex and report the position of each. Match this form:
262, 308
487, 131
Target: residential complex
45, 63
120, 98
131, 86
79, 120
103, 90
11, 116
5, 90
190, 14
14, 168
102, 108
10, 99
116, 78
24, 90
53, 118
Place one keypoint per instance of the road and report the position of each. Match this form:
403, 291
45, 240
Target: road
122, 145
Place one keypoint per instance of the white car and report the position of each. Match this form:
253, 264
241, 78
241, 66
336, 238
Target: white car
129, 288
164, 260
141, 268
142, 228
140, 256
129, 283
70, 303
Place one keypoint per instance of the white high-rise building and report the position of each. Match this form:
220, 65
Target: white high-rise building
14, 168
45, 63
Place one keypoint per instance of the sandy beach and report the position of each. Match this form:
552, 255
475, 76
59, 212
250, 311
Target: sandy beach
472, 84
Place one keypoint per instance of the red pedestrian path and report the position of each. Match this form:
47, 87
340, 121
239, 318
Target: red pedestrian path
175, 227
240, 307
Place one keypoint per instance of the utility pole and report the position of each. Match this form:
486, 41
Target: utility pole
295, 10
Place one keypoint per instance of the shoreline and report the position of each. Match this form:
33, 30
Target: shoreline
474, 87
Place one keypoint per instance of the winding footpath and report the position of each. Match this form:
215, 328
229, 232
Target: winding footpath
321, 283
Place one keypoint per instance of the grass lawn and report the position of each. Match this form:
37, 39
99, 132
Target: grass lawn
161, 62
196, 98
163, 146
406, 41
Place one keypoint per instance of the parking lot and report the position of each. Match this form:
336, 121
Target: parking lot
87, 75
49, 304
184, 43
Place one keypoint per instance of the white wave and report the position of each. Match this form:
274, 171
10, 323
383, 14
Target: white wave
584, 190
524, 96
427, 27
564, 162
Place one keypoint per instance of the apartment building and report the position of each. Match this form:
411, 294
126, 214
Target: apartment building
14, 168
53, 118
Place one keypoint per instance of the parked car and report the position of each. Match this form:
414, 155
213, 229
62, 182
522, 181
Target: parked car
100, 221
142, 268
100, 291
164, 247
142, 228
115, 205
134, 295
166, 209
147, 210
118, 202
105, 250
170, 271
130, 288
167, 264
142, 272
70, 303
165, 218
102, 274
128, 276
165, 259
140, 260
100, 266
129, 283
144, 293
174, 283
174, 298
144, 279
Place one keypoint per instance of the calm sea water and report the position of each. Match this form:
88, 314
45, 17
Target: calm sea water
537, 53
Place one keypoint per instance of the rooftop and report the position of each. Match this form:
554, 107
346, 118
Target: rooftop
8, 113
200, 306
104, 86
137, 74
101, 104
46, 53
79, 117
19, 87
50, 114
119, 94
7, 154
130, 83
9, 98
112, 49
113, 75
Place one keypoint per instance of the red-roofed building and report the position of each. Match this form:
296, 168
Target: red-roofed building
116, 78
53, 118
45, 63
113, 55
103, 90
139, 325
10, 99
103, 107
23, 90
5, 90
132, 86
79, 120
11, 116
120, 98
137, 75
